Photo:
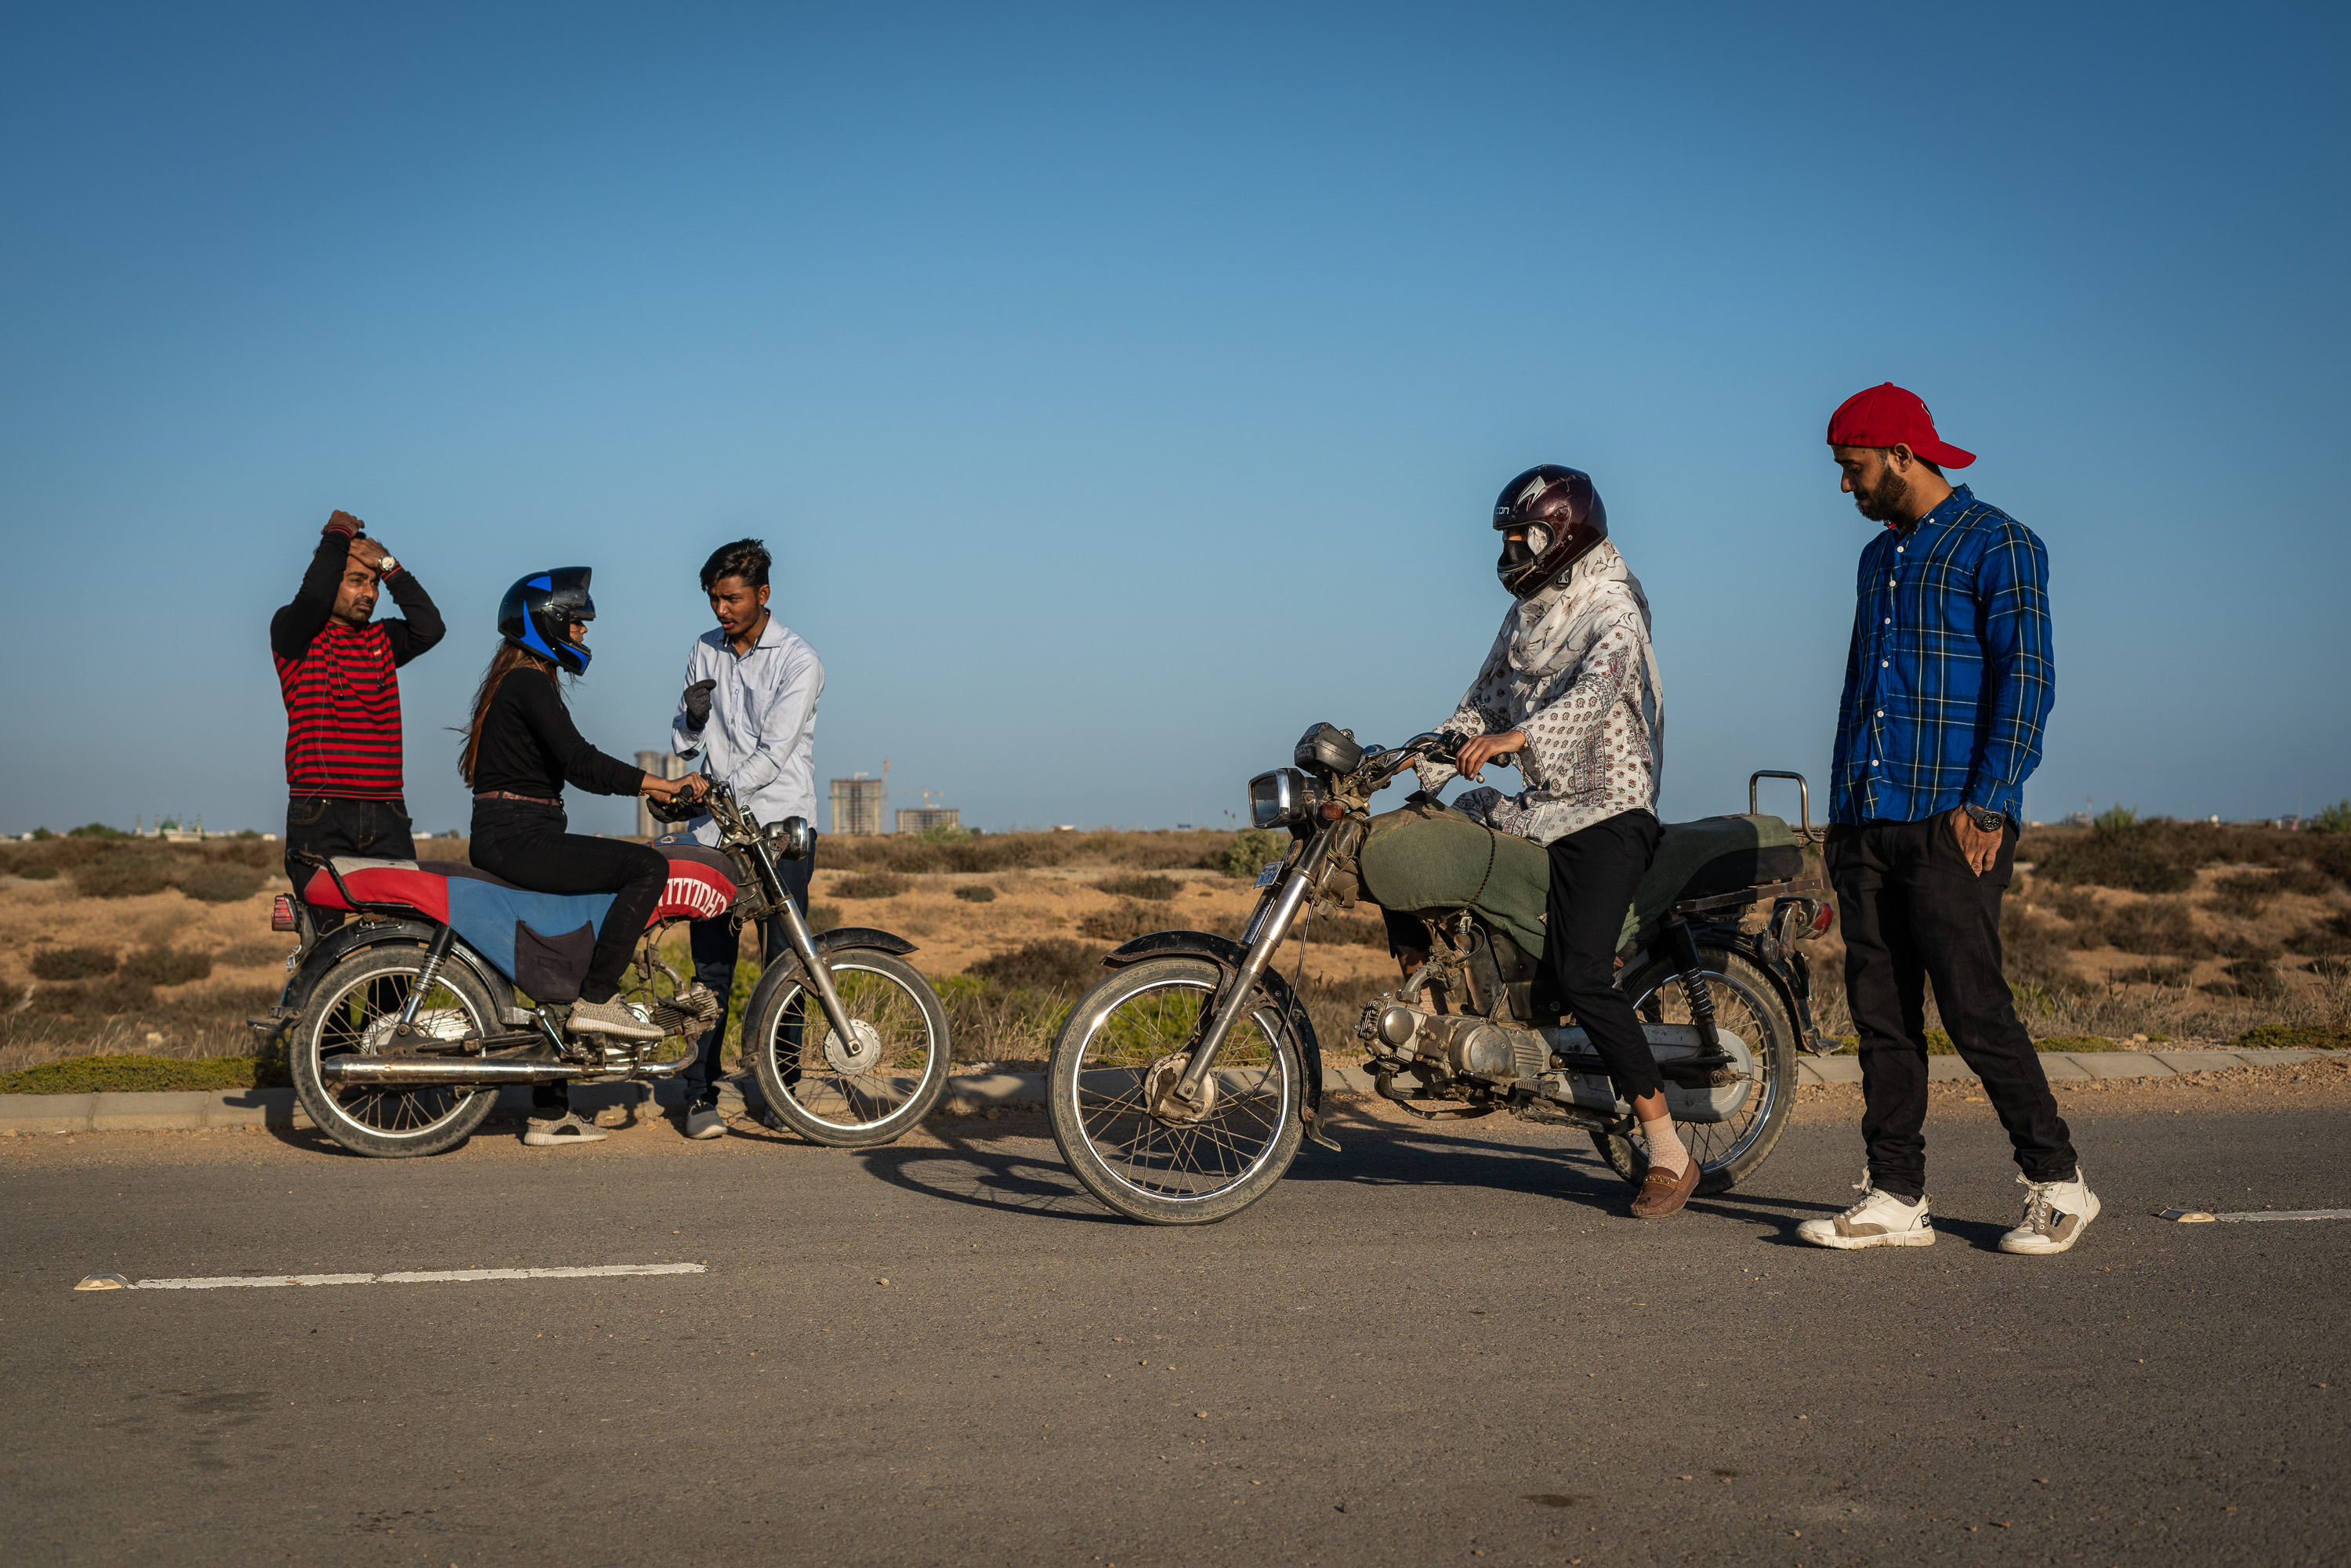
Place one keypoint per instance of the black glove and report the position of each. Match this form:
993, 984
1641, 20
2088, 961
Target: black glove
697, 704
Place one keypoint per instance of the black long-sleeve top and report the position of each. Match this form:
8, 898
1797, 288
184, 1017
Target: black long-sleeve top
530, 746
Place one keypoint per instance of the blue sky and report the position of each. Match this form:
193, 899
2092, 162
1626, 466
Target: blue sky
1124, 389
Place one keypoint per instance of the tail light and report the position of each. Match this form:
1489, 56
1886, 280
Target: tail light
281, 913
1823, 921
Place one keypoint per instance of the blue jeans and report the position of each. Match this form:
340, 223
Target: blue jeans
717, 950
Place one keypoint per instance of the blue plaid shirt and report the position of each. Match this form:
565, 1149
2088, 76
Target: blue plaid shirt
1952, 675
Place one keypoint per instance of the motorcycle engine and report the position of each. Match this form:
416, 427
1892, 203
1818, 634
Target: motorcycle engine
698, 1004
1469, 1047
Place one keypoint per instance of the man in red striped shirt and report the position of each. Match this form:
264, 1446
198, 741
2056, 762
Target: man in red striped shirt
336, 667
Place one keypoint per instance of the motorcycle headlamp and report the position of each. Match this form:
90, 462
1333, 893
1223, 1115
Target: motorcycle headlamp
1284, 798
791, 838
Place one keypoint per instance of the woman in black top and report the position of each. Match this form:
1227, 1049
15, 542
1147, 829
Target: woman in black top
521, 748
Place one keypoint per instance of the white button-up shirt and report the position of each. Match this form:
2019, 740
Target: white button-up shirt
761, 737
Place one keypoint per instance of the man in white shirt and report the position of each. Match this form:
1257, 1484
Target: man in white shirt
748, 712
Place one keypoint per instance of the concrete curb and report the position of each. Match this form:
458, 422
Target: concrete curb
2061, 1065
34, 1114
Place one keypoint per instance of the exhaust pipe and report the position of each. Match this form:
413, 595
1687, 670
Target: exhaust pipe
420, 1071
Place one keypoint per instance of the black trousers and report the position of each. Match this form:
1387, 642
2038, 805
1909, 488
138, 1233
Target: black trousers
1914, 912
330, 825
1594, 871
717, 953
527, 845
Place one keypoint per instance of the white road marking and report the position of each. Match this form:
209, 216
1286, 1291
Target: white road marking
2199, 1217
419, 1277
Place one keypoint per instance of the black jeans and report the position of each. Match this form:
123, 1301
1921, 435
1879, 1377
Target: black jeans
1594, 871
718, 949
527, 845
330, 825
1914, 912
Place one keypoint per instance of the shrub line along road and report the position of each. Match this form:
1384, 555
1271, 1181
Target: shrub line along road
1443, 1343
190, 1111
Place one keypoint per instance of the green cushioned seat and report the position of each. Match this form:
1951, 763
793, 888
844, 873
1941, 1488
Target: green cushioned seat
1422, 858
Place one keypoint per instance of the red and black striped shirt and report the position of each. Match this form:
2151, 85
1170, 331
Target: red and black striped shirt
341, 691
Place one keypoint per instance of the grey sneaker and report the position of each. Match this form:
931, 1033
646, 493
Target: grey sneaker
613, 1018
556, 1131
702, 1121
1879, 1219
2056, 1214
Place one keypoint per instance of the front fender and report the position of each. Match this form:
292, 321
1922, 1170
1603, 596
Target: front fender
786, 964
1228, 956
861, 937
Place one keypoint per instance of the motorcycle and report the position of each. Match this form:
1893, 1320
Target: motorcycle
1183, 1085
402, 1024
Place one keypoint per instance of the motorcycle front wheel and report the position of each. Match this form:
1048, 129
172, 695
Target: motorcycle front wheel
1128, 1033
1749, 1005
869, 1090
352, 1011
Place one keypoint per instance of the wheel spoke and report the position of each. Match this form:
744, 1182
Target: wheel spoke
1141, 1033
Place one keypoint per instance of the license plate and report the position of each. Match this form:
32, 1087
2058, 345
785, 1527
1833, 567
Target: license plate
1270, 874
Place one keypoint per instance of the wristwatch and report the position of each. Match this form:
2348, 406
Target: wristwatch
385, 563
1988, 821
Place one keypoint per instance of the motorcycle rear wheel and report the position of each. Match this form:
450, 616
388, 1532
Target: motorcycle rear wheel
351, 1009
1154, 1171
1747, 1004
848, 1105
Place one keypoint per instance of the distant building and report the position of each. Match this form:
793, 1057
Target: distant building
660, 765
929, 818
861, 805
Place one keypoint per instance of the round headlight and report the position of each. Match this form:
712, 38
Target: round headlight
791, 838
1278, 798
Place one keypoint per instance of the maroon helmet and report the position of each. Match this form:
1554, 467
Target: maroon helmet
1561, 511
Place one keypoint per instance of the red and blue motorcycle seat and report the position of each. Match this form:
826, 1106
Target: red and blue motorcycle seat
541, 941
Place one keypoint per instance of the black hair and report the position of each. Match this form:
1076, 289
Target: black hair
746, 558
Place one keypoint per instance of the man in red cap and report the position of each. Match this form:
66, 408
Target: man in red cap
1946, 687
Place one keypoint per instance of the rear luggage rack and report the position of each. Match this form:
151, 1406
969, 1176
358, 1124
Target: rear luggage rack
1789, 889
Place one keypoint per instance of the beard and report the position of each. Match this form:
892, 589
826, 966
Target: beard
1884, 501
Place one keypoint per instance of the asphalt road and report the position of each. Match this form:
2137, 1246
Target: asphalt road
1441, 1343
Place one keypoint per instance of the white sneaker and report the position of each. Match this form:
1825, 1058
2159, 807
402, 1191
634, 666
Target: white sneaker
1879, 1219
2056, 1214
554, 1133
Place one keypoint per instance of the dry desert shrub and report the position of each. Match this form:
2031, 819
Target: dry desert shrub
1056, 966
162, 966
2157, 928
254, 953
880, 885
1154, 889
73, 963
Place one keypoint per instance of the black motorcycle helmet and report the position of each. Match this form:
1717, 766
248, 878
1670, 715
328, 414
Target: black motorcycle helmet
537, 613
1561, 511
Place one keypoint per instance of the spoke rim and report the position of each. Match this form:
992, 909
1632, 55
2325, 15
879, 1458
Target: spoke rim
1181, 1164
366, 1006
868, 995
1744, 1012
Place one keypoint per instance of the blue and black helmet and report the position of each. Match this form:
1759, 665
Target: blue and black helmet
537, 613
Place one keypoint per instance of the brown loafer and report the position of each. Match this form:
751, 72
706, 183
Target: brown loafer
1665, 1192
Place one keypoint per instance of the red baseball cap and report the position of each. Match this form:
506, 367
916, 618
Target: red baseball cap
1886, 415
